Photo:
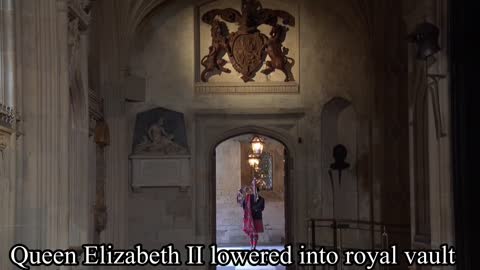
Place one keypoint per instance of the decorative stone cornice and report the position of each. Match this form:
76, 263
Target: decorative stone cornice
239, 88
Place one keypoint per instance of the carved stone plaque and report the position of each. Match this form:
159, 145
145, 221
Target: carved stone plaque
160, 132
160, 155
160, 171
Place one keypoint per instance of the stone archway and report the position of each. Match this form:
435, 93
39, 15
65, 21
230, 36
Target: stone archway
231, 171
211, 130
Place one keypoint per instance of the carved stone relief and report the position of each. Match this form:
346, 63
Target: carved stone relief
7, 116
161, 157
160, 131
247, 48
4, 138
7, 122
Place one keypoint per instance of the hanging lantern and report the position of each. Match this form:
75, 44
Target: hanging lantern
253, 160
257, 145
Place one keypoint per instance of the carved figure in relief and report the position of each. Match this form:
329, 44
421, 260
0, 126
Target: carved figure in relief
278, 53
157, 132
158, 140
214, 62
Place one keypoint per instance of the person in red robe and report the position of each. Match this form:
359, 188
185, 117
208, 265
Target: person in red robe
253, 206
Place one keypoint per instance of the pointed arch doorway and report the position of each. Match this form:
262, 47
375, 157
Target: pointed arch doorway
212, 128
232, 172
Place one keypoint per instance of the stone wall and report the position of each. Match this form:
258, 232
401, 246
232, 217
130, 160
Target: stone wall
168, 68
336, 57
229, 213
345, 49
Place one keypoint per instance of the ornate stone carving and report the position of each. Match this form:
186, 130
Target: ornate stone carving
214, 62
160, 152
160, 131
278, 53
7, 116
3, 141
246, 52
5, 134
247, 48
158, 140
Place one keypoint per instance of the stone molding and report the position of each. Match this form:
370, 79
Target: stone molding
242, 88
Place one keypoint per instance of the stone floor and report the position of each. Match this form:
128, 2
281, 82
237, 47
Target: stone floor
246, 267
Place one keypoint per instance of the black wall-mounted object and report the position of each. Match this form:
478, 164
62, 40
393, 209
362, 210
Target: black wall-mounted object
339, 164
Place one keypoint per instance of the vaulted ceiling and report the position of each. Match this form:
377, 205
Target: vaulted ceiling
133, 12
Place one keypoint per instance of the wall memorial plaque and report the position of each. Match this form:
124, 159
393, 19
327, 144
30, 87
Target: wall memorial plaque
160, 155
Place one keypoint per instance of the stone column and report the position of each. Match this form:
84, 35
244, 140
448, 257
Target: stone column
7, 129
80, 225
441, 191
429, 134
116, 155
43, 196
7, 56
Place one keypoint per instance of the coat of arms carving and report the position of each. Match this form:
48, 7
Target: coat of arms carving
248, 48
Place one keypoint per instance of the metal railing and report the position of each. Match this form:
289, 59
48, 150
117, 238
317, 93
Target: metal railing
378, 233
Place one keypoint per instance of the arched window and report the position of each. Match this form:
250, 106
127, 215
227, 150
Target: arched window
265, 170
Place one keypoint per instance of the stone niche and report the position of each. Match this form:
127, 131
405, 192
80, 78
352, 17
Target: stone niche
160, 155
232, 82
